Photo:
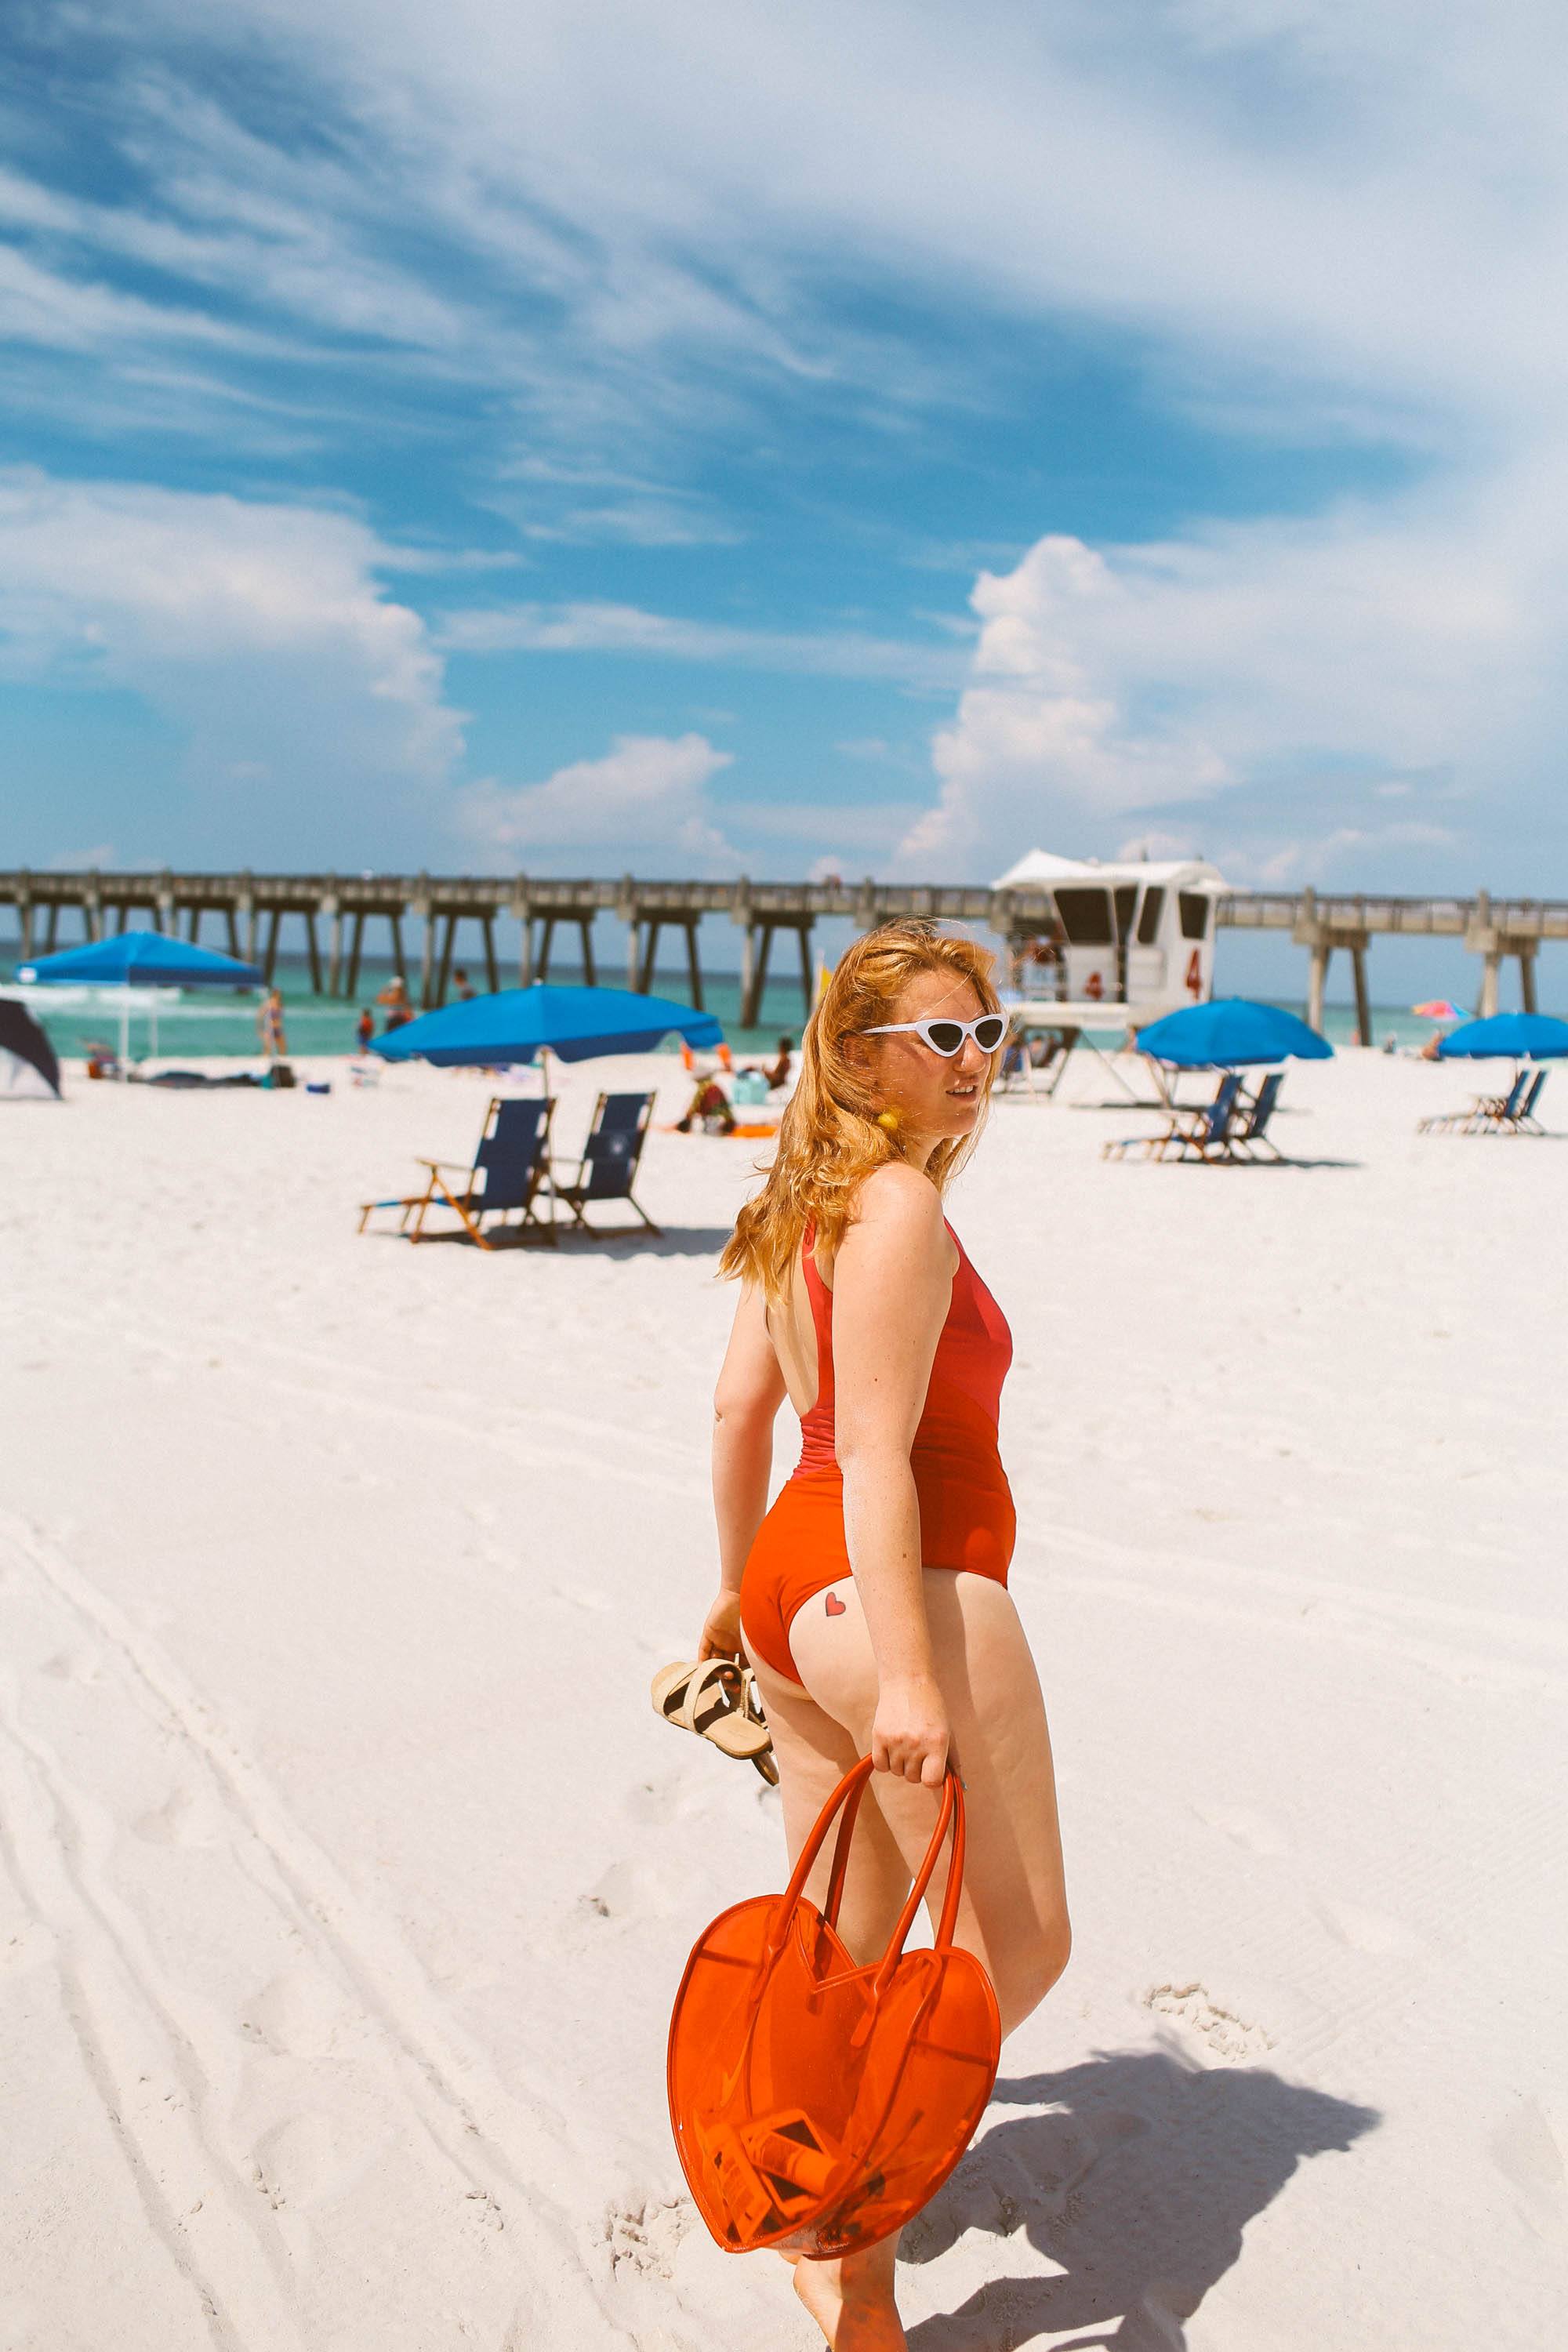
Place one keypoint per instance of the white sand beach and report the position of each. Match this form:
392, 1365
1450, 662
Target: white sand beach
346, 1875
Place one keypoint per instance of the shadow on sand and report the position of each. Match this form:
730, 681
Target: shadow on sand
676, 1241
1138, 2183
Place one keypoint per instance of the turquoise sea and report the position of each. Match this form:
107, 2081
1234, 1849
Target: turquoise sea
213, 1022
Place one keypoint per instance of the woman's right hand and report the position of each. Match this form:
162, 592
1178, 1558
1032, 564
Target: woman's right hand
909, 1734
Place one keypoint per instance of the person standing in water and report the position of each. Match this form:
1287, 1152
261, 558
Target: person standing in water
269, 1026
394, 999
872, 1599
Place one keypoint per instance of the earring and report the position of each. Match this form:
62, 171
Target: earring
889, 1119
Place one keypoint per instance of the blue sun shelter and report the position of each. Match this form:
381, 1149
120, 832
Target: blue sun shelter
130, 959
1508, 1037
577, 1024
1232, 1033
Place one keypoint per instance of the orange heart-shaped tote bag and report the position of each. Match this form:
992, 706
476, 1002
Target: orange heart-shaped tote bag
818, 2105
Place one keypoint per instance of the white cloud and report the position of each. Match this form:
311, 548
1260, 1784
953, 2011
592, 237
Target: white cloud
260, 631
1249, 676
1304, 195
646, 795
1335, 219
592, 626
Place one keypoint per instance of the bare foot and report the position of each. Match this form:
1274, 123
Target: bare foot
852, 2300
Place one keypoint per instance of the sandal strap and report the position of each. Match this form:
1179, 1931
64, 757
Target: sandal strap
711, 1694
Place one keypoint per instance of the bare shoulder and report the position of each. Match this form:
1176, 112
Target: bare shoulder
899, 1196
898, 1212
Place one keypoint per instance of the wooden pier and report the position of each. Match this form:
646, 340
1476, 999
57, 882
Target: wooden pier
248, 910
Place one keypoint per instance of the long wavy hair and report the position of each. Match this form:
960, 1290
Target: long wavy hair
831, 1136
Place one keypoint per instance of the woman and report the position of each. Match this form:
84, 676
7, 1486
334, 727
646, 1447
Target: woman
872, 1599
269, 1026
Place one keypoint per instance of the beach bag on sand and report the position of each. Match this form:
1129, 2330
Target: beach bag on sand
817, 2105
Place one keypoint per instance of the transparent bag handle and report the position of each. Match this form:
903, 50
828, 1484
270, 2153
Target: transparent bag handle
847, 1795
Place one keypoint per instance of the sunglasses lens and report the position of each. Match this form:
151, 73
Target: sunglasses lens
989, 1032
943, 1036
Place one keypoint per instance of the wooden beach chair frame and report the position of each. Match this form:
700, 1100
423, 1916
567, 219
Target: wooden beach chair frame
466, 1199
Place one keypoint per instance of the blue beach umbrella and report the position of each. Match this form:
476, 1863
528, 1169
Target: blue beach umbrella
1231, 1032
138, 959
141, 960
576, 1023
1516, 1036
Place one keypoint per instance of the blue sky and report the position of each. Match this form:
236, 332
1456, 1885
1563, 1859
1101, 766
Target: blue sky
885, 439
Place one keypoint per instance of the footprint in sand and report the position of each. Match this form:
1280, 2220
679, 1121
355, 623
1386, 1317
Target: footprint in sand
23, 1948
480, 2207
1223, 2040
1366, 1931
1526, 2153
1006, 2182
1259, 1832
307, 2158
72, 1666
626, 1890
296, 2015
181, 1820
652, 1803
646, 2238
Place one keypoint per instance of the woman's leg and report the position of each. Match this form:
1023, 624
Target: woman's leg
814, 1753
851, 2301
1013, 1911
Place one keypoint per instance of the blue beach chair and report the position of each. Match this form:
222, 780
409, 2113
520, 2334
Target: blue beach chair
607, 1169
1524, 1119
1188, 1134
511, 1165
1486, 1112
1250, 1136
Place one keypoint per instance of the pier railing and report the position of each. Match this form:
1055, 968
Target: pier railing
250, 910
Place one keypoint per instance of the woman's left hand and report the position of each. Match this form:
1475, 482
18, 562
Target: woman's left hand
721, 1629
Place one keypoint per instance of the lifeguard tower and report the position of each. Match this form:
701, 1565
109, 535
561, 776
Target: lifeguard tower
1121, 942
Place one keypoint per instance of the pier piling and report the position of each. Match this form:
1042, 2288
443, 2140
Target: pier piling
252, 907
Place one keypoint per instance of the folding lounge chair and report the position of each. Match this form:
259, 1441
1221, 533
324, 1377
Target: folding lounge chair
1524, 1119
608, 1168
1484, 1111
511, 1166
1189, 1134
1250, 1136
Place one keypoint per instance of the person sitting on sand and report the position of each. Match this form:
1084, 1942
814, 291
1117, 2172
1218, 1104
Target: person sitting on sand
872, 1599
709, 1108
269, 1026
394, 997
777, 1072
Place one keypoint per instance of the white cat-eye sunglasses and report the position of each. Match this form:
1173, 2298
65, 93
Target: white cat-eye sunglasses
946, 1037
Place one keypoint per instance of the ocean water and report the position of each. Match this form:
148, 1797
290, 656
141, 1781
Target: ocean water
212, 1022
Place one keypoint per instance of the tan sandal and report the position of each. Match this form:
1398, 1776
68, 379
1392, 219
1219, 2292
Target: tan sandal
716, 1698
750, 1699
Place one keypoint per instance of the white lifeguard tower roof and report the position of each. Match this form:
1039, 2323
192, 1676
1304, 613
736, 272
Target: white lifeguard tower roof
1041, 870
